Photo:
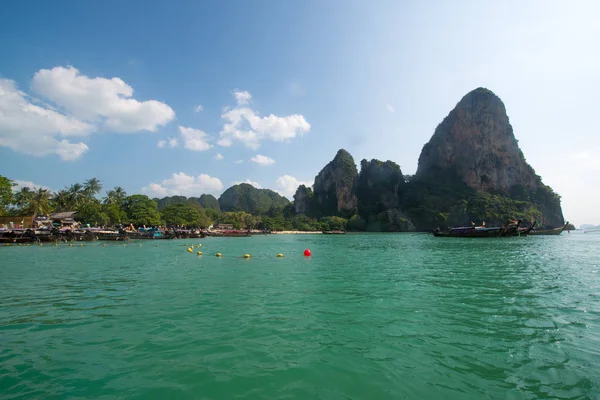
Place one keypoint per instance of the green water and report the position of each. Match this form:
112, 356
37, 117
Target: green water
381, 316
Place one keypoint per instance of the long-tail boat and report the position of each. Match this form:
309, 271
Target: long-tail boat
553, 231
511, 228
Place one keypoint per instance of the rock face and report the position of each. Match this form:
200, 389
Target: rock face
245, 197
303, 200
334, 187
379, 187
477, 142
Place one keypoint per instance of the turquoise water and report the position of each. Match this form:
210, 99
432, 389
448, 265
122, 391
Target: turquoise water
373, 316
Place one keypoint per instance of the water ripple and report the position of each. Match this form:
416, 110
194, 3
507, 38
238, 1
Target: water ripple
367, 317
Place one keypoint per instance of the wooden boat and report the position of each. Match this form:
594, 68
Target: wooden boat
18, 236
554, 231
333, 232
510, 229
229, 233
112, 235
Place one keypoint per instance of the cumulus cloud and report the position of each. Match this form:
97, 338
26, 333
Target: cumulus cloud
81, 106
29, 184
105, 101
161, 144
184, 185
173, 142
37, 130
219, 156
243, 124
194, 139
198, 108
390, 108
286, 185
250, 182
262, 160
242, 97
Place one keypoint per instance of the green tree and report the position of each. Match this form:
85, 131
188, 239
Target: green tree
92, 187
115, 196
141, 210
114, 213
91, 212
6, 194
40, 203
61, 201
23, 197
181, 214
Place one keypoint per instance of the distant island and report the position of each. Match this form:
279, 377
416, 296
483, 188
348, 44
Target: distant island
471, 170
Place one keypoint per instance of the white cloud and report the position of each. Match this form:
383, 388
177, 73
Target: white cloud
390, 108
173, 142
82, 105
194, 139
244, 125
262, 160
102, 100
198, 108
238, 161
250, 182
185, 185
219, 156
161, 144
286, 185
242, 97
29, 184
36, 129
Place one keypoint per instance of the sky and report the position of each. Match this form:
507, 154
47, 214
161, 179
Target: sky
188, 97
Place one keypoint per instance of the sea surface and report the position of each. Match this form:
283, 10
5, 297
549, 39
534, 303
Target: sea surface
367, 316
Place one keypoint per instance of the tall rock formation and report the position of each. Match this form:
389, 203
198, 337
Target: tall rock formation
380, 186
303, 200
334, 187
475, 143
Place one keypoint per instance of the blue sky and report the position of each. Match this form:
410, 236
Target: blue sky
92, 89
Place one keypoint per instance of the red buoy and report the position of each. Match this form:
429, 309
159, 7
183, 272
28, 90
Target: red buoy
307, 253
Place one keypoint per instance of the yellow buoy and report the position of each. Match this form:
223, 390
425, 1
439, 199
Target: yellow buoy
41, 244
189, 250
104, 245
27, 244
219, 255
199, 245
140, 245
124, 245
81, 245
70, 244
156, 245
199, 253
279, 255
186, 245
19, 244
246, 255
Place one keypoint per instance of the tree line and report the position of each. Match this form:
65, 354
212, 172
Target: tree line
116, 207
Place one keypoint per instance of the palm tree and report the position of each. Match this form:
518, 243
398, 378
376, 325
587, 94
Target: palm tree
61, 200
40, 202
115, 196
92, 187
23, 197
75, 195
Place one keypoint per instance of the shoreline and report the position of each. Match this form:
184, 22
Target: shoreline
296, 233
